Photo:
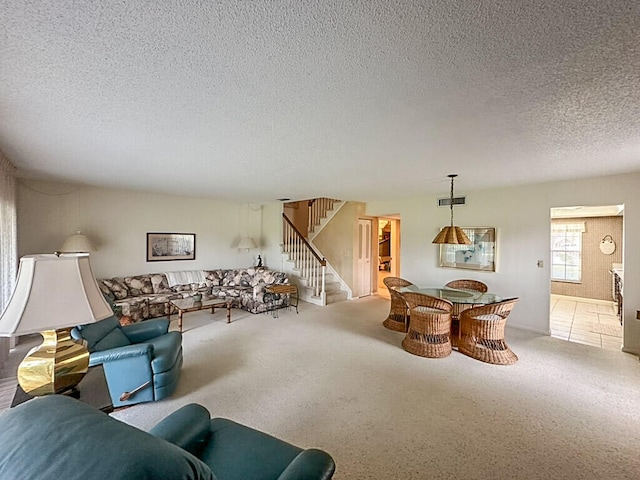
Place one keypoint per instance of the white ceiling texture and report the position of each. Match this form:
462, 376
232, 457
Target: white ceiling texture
352, 99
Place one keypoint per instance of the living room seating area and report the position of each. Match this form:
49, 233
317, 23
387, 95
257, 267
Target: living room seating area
148, 295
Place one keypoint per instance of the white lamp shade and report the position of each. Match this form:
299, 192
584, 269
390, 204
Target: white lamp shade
247, 243
53, 292
77, 243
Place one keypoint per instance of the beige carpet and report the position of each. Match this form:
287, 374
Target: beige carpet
334, 378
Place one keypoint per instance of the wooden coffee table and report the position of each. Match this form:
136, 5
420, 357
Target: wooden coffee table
184, 305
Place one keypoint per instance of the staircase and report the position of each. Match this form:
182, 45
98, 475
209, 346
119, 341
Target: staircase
317, 281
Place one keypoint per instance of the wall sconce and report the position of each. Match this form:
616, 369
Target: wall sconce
77, 243
247, 243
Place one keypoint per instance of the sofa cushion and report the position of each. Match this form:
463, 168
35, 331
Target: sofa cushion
229, 278
159, 283
139, 285
135, 307
214, 277
106, 291
117, 287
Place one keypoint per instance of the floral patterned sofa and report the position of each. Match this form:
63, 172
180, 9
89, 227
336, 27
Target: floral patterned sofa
147, 296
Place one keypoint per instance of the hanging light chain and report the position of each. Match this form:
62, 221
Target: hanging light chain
451, 201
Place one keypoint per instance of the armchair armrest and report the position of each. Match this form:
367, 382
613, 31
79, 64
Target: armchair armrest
143, 331
311, 464
188, 427
120, 353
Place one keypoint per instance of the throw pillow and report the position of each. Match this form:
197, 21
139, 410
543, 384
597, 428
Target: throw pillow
139, 285
159, 283
117, 287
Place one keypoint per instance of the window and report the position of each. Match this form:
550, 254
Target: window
8, 242
566, 251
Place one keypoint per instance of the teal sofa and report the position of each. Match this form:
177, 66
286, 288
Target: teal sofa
57, 437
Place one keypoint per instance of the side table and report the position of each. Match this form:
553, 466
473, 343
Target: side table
92, 389
290, 290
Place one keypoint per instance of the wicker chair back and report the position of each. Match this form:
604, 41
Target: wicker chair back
482, 333
429, 332
398, 317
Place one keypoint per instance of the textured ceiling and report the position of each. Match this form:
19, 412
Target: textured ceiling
359, 100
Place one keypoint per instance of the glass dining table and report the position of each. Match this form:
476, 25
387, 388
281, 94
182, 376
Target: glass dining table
461, 299
455, 296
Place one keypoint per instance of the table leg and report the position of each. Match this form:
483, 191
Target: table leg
228, 312
180, 321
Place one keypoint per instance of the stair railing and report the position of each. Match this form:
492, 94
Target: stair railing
311, 265
318, 208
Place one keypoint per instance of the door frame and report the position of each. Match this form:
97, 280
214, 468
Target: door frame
395, 246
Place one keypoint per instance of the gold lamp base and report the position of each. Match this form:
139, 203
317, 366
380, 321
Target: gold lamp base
58, 364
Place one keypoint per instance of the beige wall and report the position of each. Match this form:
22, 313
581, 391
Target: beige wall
118, 221
298, 213
337, 241
596, 279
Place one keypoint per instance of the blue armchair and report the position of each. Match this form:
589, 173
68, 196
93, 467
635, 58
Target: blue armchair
56, 437
141, 362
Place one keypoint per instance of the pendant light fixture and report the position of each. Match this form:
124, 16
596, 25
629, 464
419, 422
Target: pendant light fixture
452, 235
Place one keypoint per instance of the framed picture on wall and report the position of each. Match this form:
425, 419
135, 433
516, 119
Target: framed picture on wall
162, 247
480, 255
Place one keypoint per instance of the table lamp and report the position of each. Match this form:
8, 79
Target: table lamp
53, 293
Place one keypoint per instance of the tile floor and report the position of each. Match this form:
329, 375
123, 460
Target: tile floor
582, 320
382, 290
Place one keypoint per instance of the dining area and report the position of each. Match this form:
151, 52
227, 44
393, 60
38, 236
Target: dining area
462, 315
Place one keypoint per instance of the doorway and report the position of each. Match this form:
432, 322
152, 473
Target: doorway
586, 253
388, 260
364, 256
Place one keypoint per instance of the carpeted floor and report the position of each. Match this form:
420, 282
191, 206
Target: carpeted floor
334, 378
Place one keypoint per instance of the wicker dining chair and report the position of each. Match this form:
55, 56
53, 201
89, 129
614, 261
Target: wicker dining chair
463, 284
429, 333
398, 318
482, 333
